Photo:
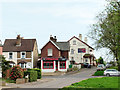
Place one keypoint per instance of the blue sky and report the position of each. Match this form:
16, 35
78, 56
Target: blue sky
41, 18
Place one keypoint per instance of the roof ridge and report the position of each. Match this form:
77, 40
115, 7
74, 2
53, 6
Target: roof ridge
81, 41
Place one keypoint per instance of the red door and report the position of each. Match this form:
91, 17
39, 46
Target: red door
56, 65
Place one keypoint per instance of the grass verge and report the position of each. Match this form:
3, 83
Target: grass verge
104, 82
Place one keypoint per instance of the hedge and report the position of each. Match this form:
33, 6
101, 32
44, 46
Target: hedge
34, 69
38, 73
99, 73
32, 76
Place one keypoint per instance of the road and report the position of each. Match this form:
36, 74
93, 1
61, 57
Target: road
58, 81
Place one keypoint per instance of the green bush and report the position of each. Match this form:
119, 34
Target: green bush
32, 76
34, 69
38, 73
98, 73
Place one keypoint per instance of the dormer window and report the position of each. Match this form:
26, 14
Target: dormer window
23, 55
74, 42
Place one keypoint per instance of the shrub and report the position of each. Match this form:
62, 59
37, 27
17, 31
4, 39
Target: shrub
38, 73
99, 73
34, 69
32, 75
16, 72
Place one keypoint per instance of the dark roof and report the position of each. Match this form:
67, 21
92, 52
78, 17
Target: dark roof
26, 45
63, 45
88, 55
81, 41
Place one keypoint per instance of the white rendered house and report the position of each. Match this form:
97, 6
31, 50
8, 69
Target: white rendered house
80, 51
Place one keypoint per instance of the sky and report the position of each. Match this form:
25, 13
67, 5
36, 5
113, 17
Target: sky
41, 18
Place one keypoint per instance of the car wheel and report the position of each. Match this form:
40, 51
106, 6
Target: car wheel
107, 74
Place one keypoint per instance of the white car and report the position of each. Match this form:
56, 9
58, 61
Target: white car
101, 67
111, 72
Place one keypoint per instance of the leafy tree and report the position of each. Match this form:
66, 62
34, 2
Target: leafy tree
106, 32
100, 60
5, 65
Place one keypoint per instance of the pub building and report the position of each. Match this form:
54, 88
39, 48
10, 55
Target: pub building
54, 56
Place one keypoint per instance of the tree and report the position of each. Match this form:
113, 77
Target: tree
100, 60
106, 32
5, 65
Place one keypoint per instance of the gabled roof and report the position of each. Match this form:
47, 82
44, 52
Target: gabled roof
26, 45
81, 41
64, 46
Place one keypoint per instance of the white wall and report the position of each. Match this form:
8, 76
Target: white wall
14, 59
78, 57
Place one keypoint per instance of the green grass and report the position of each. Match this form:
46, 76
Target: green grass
104, 82
113, 67
99, 73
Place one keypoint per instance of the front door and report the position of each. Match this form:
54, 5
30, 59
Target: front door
56, 65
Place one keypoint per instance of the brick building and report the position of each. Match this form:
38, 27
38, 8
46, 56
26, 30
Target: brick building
54, 56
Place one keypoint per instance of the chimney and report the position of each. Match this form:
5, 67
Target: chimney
85, 40
53, 39
80, 36
18, 41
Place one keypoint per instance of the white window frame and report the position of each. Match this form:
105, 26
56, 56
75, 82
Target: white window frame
10, 55
50, 53
22, 55
74, 42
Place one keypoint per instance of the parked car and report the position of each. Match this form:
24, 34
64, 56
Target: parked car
108, 65
101, 67
111, 72
86, 65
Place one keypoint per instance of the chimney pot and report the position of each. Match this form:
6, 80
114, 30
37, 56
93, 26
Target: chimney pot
85, 40
80, 36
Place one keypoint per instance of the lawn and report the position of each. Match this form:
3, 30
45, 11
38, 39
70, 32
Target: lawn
113, 67
104, 82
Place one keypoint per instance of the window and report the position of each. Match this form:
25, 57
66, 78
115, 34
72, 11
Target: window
72, 51
74, 42
90, 50
86, 59
81, 50
23, 55
10, 55
48, 65
49, 52
23, 65
62, 64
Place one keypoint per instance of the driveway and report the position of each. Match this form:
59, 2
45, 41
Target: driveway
58, 81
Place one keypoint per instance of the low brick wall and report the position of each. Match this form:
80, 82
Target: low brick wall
20, 81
